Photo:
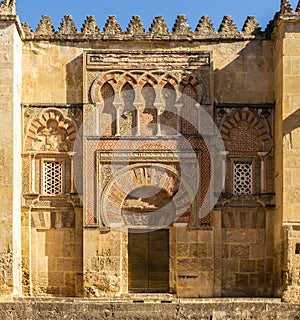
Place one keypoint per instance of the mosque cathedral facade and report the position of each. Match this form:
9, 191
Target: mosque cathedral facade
192, 135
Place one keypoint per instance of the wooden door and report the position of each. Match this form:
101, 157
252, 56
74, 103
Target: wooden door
148, 261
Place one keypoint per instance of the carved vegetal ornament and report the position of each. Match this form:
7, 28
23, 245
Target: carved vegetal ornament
51, 131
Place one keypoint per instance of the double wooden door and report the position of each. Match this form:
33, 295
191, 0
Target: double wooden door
148, 261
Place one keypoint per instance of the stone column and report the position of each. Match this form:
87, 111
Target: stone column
118, 113
32, 168
138, 105
262, 171
198, 106
224, 155
118, 104
158, 104
178, 106
97, 118
71, 155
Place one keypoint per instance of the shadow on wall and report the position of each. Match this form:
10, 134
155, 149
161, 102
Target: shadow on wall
63, 252
291, 123
246, 79
74, 81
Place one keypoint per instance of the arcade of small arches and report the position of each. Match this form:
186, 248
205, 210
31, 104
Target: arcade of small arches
152, 104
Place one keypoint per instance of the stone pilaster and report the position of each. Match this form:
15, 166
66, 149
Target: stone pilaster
287, 137
10, 154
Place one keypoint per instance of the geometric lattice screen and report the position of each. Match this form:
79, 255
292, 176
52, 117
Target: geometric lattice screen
242, 178
52, 178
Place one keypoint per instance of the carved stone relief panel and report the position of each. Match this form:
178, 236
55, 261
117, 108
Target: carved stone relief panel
245, 130
49, 135
138, 153
50, 129
247, 133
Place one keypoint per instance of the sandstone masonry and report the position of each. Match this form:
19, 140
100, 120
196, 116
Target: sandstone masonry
103, 128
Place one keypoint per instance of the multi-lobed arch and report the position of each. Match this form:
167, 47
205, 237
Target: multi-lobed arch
178, 111
118, 78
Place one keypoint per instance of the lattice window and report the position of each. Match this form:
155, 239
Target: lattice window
242, 178
52, 178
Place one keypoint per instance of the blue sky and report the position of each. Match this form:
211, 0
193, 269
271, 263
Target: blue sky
31, 10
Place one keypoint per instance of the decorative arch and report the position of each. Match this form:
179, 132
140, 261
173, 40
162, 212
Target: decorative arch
51, 131
169, 116
116, 78
139, 176
171, 79
245, 131
189, 112
197, 84
147, 78
108, 114
148, 114
128, 117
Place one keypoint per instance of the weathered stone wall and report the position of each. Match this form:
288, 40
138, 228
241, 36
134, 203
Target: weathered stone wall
218, 261
56, 261
235, 309
10, 162
246, 249
194, 262
248, 252
52, 72
105, 262
287, 152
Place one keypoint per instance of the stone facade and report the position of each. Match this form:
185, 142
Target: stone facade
107, 134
